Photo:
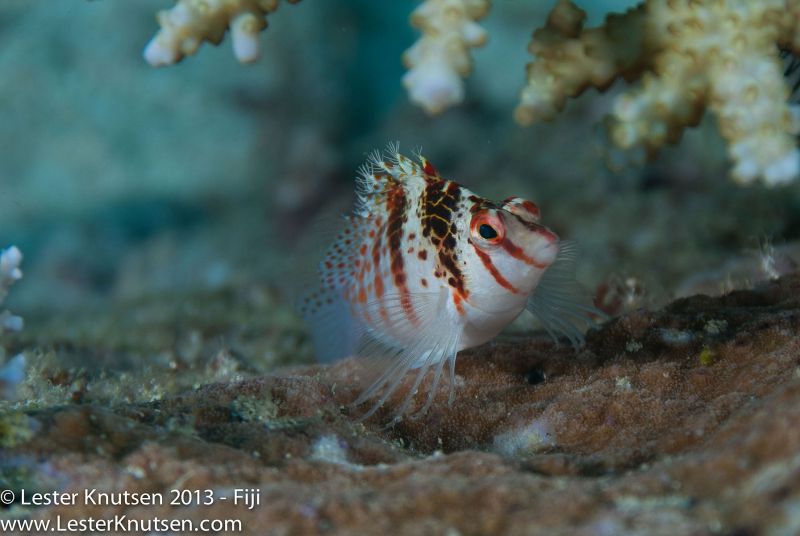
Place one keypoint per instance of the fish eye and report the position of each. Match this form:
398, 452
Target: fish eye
487, 231
487, 228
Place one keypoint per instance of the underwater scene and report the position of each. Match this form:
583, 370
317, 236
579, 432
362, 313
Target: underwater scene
431, 267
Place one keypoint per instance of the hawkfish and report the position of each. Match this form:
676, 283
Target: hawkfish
424, 268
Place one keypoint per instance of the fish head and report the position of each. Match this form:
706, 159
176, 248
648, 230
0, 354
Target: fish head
512, 243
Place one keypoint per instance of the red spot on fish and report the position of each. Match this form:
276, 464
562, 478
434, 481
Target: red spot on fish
530, 207
422, 254
424, 282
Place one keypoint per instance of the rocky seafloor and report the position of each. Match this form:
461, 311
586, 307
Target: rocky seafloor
682, 420
158, 212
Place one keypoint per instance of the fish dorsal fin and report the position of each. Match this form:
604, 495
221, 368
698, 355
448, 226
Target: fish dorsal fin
560, 304
379, 174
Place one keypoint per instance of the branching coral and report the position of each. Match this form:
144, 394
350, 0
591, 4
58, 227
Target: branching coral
689, 55
190, 22
10, 259
437, 61
440, 58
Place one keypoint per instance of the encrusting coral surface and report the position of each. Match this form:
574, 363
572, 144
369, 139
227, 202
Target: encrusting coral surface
688, 55
190, 22
677, 421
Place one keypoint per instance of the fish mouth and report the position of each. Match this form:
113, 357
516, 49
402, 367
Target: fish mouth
547, 251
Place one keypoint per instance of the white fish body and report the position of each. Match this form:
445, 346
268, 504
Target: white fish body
425, 268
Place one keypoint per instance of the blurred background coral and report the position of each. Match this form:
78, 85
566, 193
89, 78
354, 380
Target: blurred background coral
120, 180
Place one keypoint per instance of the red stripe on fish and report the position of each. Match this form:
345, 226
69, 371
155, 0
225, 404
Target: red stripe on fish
396, 204
489, 265
378, 277
517, 252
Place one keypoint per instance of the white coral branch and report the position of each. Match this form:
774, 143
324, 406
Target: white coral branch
10, 260
689, 57
190, 22
440, 58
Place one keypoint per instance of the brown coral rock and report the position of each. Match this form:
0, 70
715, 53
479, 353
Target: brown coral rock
679, 421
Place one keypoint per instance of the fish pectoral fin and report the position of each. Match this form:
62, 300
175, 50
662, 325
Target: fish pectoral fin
402, 317
388, 354
559, 303
386, 367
